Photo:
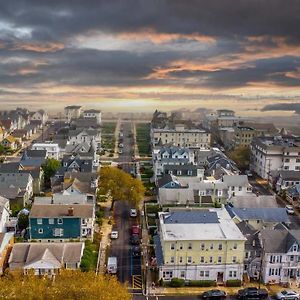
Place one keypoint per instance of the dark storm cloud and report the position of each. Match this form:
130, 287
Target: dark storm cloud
295, 107
227, 18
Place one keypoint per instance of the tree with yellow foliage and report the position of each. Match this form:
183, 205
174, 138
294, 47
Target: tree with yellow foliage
120, 185
67, 285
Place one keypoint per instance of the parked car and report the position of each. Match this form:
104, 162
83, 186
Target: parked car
121, 145
248, 173
112, 265
136, 251
252, 293
135, 240
114, 234
135, 229
133, 212
214, 294
120, 151
287, 295
289, 209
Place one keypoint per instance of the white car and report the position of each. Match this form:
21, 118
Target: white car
121, 145
287, 295
133, 212
120, 151
114, 235
289, 209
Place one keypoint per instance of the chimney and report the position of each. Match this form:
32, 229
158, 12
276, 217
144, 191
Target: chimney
70, 211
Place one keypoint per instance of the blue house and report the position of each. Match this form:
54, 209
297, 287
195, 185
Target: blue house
60, 222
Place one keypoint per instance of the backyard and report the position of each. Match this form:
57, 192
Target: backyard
108, 136
143, 138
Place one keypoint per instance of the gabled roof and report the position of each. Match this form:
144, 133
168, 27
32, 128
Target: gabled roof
289, 175
191, 217
294, 191
167, 179
236, 180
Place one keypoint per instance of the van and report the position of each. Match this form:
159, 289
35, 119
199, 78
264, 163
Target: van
112, 265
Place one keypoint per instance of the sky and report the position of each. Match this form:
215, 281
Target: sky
141, 55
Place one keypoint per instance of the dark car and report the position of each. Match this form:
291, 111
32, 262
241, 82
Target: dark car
214, 294
135, 229
252, 293
136, 251
135, 239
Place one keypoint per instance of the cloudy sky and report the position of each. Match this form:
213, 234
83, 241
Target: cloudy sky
140, 55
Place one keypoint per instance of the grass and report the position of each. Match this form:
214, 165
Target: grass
108, 135
143, 138
89, 257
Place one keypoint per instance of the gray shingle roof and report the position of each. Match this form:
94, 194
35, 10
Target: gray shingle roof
191, 217
158, 250
289, 175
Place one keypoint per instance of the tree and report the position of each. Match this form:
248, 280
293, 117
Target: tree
50, 168
241, 156
120, 185
66, 285
2, 149
23, 221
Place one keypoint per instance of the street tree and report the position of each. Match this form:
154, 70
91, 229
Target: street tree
241, 156
120, 185
66, 285
50, 167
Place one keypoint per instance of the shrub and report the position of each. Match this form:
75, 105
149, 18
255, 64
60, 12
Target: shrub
201, 283
233, 283
177, 282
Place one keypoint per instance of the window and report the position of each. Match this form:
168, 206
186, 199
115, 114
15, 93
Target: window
180, 246
295, 248
211, 246
167, 274
39, 221
234, 259
190, 246
51, 221
182, 274
58, 232
41, 231
201, 273
287, 160
206, 273
247, 255
219, 259
292, 258
59, 221
235, 246
210, 259
202, 259
220, 246
180, 259
202, 246
172, 247
189, 260
240, 188
172, 260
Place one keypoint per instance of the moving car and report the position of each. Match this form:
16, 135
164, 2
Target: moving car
114, 234
289, 209
287, 295
112, 265
252, 293
136, 251
135, 240
133, 212
214, 294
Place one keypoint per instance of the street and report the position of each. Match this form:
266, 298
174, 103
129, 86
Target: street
129, 268
140, 297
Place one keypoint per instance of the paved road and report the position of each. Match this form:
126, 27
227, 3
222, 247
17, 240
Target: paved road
140, 297
129, 268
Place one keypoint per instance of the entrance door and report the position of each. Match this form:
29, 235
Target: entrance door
220, 277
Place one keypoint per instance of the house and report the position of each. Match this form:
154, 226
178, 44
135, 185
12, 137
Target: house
274, 153
63, 199
293, 195
59, 222
72, 112
185, 171
77, 187
180, 136
52, 149
4, 213
238, 185
253, 201
17, 187
258, 218
281, 252
40, 115
45, 258
243, 136
219, 161
286, 179
74, 163
22, 134
6, 244
10, 142
199, 245
83, 135
3, 132
93, 113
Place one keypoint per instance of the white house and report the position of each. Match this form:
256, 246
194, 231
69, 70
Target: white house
72, 112
93, 113
4, 213
40, 115
52, 149
89, 136
238, 185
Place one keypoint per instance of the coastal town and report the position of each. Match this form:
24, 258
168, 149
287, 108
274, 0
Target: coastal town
170, 204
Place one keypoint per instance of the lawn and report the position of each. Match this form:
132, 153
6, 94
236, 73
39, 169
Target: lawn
143, 138
108, 135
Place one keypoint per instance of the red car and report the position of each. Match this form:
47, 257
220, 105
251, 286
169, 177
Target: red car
135, 229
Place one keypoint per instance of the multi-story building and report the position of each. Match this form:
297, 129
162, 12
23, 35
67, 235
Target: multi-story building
274, 153
89, 136
281, 256
40, 115
199, 245
58, 222
93, 113
181, 137
52, 149
243, 136
72, 112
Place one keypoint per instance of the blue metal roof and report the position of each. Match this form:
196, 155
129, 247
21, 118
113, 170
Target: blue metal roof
191, 217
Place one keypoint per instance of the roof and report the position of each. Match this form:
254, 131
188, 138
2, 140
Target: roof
236, 180
35, 153
92, 111
289, 175
158, 250
10, 167
73, 107
5, 238
219, 227
189, 217
83, 187
166, 179
183, 168
61, 210
277, 215
253, 201
25, 254
83, 177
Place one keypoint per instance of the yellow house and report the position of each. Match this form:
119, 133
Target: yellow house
6, 244
199, 245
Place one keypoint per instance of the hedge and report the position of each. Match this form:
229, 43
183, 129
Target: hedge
177, 282
201, 283
234, 283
